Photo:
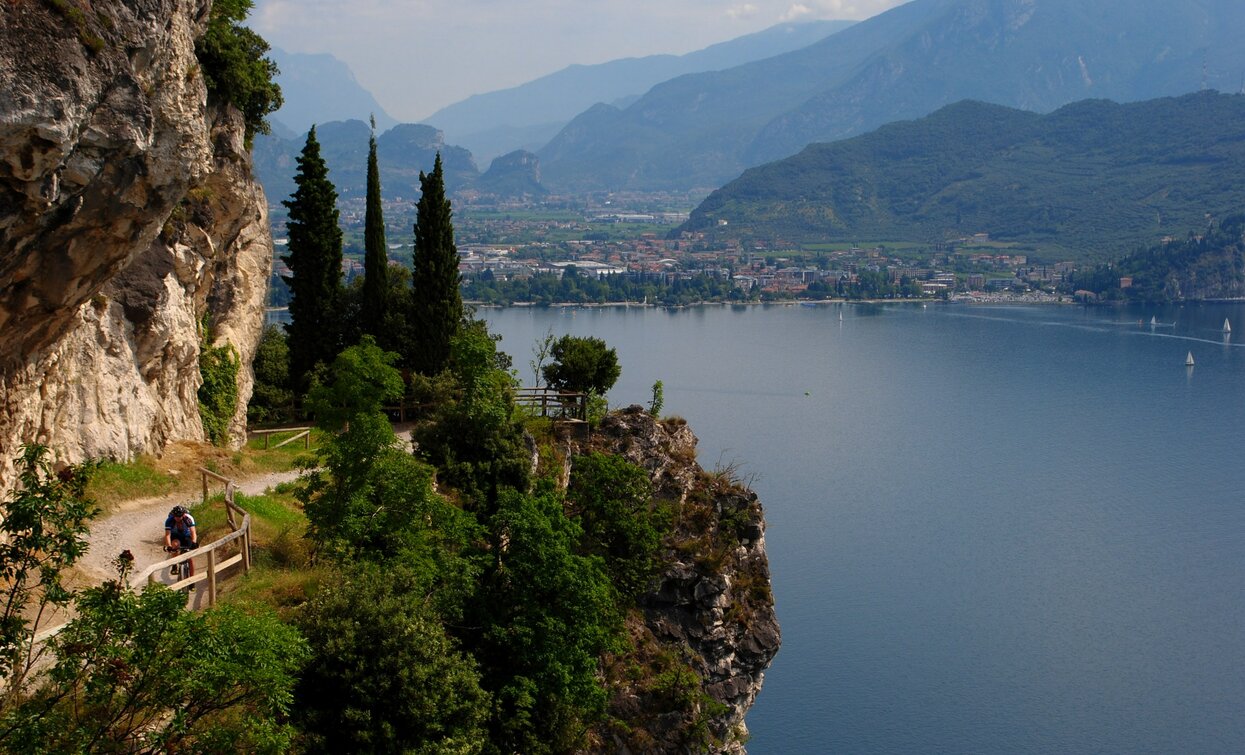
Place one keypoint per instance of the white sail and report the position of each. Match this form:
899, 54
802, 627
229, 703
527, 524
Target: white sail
1227, 326
1153, 321
1188, 361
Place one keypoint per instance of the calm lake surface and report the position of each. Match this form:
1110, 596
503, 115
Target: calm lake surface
991, 528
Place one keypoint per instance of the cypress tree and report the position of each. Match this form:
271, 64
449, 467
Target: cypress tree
436, 305
315, 261
376, 258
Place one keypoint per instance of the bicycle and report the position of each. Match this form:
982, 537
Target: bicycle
177, 569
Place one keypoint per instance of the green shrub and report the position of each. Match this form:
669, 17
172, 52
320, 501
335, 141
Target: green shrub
218, 393
235, 67
384, 677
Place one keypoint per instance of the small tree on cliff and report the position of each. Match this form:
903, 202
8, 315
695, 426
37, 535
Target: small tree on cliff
375, 302
235, 67
436, 305
582, 363
315, 261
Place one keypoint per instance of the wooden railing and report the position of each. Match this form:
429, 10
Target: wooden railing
564, 405
303, 432
210, 553
241, 531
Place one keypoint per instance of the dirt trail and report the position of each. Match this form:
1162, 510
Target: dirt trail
138, 526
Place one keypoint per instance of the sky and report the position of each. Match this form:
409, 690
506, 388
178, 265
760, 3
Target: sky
417, 56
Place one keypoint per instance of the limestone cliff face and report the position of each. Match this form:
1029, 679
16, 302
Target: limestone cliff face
127, 215
712, 607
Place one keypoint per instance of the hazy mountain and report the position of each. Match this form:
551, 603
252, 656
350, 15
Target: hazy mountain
702, 129
401, 152
1095, 178
530, 114
321, 88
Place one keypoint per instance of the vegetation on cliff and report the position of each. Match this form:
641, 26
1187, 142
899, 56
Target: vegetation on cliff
528, 613
235, 66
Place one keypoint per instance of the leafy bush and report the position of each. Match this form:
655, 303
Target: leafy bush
384, 676
611, 500
472, 437
139, 673
582, 364
218, 393
547, 615
42, 533
235, 68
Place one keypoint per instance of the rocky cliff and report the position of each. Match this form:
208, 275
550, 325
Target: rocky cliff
128, 217
711, 610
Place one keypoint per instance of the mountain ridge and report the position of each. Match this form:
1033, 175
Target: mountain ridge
702, 130
1094, 176
527, 115
319, 88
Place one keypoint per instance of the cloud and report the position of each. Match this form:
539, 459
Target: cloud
857, 9
799, 10
741, 11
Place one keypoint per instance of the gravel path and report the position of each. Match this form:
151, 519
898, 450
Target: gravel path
138, 526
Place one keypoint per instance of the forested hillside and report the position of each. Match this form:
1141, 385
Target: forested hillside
1094, 179
1209, 264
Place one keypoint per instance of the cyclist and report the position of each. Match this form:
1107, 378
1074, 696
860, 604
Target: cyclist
180, 535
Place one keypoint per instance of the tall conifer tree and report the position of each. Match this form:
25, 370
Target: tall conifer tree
436, 305
315, 261
376, 259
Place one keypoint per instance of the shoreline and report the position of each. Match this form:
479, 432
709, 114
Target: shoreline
955, 299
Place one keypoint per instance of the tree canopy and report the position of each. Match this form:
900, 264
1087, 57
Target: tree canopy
315, 262
582, 363
436, 304
375, 303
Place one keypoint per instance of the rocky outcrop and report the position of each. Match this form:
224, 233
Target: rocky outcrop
513, 176
712, 607
128, 217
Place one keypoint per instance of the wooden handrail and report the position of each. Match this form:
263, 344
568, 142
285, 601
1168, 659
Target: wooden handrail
302, 432
240, 532
554, 403
148, 576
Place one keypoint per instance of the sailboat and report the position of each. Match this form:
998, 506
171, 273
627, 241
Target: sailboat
840, 317
1153, 321
1227, 326
1188, 361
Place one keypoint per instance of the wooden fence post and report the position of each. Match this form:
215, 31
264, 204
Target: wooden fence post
211, 577
246, 551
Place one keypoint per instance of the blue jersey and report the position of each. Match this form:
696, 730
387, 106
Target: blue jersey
179, 530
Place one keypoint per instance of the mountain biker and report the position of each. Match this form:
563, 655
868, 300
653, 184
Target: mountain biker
180, 535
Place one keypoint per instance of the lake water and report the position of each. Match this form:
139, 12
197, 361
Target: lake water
991, 528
